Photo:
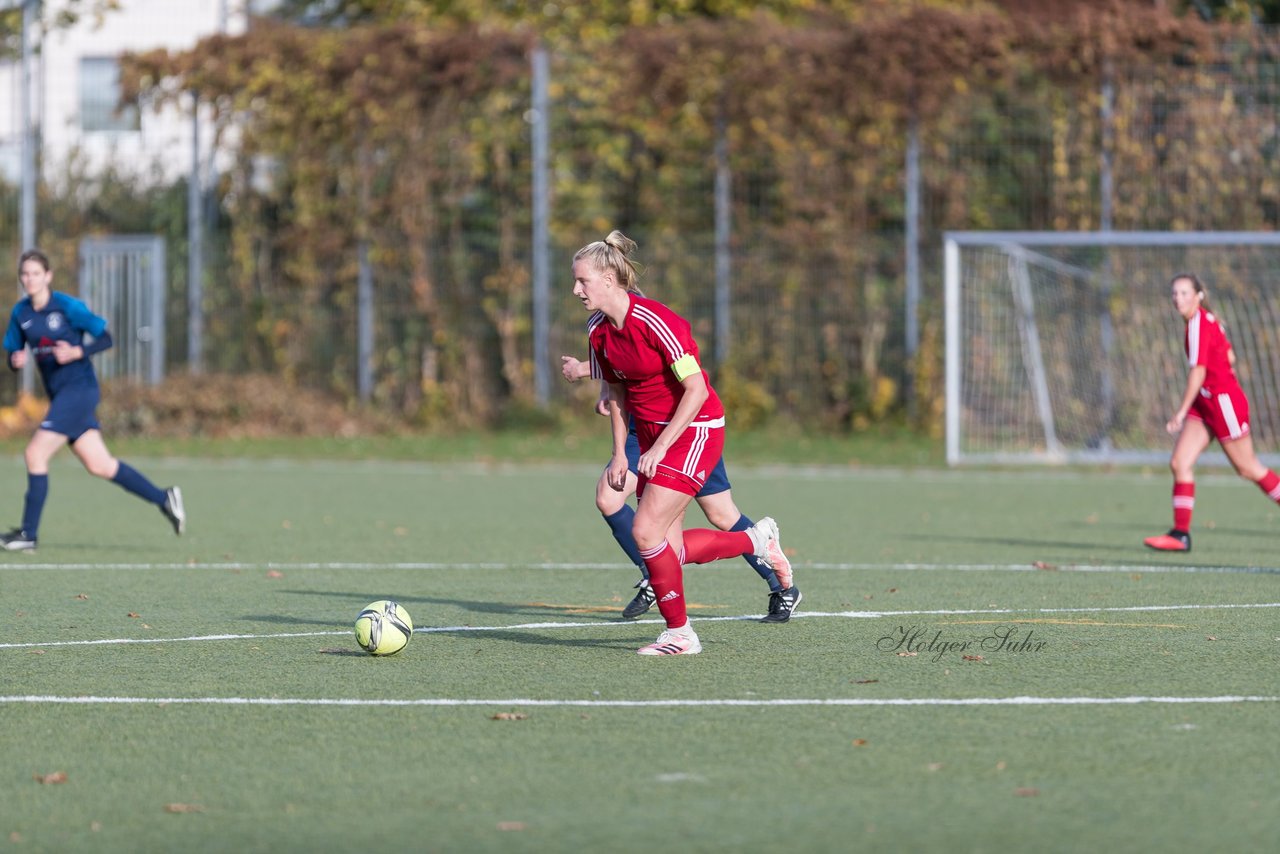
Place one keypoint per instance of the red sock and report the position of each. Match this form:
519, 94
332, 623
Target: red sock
1184, 501
1270, 484
702, 545
667, 580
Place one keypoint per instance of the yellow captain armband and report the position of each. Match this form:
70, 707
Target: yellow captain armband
685, 367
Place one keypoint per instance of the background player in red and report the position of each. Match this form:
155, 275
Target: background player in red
1213, 405
647, 354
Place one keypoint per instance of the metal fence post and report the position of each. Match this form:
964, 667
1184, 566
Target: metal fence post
912, 299
724, 231
195, 250
540, 118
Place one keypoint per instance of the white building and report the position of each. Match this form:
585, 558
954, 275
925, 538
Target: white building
76, 89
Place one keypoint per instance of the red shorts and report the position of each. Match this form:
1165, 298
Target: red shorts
1225, 413
687, 462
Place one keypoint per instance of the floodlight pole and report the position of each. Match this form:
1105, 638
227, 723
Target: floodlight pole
30, 167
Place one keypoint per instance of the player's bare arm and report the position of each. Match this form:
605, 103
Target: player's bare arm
1195, 381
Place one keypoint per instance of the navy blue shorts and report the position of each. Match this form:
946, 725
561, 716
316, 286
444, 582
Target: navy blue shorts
72, 411
717, 481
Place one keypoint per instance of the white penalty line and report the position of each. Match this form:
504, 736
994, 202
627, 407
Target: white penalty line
615, 624
587, 565
662, 703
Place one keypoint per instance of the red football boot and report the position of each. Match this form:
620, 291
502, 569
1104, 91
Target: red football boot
1174, 541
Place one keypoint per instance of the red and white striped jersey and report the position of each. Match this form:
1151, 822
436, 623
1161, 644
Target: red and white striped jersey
1206, 344
649, 356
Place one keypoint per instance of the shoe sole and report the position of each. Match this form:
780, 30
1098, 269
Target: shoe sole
1163, 548
650, 650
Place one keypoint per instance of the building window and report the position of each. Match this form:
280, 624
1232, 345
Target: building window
100, 108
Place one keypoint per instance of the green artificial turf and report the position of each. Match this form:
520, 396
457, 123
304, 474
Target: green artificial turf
278, 734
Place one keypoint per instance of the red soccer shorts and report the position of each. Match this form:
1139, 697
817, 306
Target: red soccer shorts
687, 462
1225, 413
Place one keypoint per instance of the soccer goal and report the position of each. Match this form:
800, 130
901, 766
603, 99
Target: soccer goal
1064, 346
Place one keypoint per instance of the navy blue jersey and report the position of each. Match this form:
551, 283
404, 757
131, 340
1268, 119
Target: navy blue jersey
64, 318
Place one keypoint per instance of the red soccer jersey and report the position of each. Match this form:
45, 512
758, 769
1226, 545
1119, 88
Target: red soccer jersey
647, 356
1206, 344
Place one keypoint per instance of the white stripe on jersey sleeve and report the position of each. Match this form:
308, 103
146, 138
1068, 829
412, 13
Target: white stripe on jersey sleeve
596, 318
668, 338
1193, 340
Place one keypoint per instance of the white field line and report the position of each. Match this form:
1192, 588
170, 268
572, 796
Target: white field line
599, 624
518, 702
1216, 470
505, 566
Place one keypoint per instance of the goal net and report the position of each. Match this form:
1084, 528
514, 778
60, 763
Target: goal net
1064, 347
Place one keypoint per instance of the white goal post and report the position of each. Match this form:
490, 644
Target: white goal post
1063, 347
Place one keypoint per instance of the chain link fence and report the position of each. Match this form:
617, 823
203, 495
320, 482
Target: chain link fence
817, 320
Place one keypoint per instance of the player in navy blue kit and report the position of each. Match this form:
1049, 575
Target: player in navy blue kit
54, 325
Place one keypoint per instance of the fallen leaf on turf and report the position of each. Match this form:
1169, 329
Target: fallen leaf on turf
37, 652
1026, 792
907, 654
1209, 637
49, 779
511, 825
274, 573
859, 742
865, 681
510, 716
1042, 565
95, 826
183, 808
892, 590
82, 596
934, 766
132, 614
973, 658
15, 837
1000, 766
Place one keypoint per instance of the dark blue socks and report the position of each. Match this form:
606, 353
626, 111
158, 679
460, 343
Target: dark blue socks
620, 524
37, 492
133, 480
758, 565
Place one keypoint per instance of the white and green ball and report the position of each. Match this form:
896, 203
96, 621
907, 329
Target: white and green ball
383, 628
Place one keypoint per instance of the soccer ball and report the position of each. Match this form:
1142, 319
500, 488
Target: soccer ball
383, 628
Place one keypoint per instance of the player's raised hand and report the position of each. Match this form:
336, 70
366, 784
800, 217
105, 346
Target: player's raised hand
572, 369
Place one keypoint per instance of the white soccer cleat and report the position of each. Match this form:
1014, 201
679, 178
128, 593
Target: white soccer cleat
673, 642
765, 537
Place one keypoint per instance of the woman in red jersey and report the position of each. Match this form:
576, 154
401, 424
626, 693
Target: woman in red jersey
647, 355
1213, 406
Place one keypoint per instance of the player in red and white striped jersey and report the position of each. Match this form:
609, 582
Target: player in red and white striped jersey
647, 355
1213, 406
